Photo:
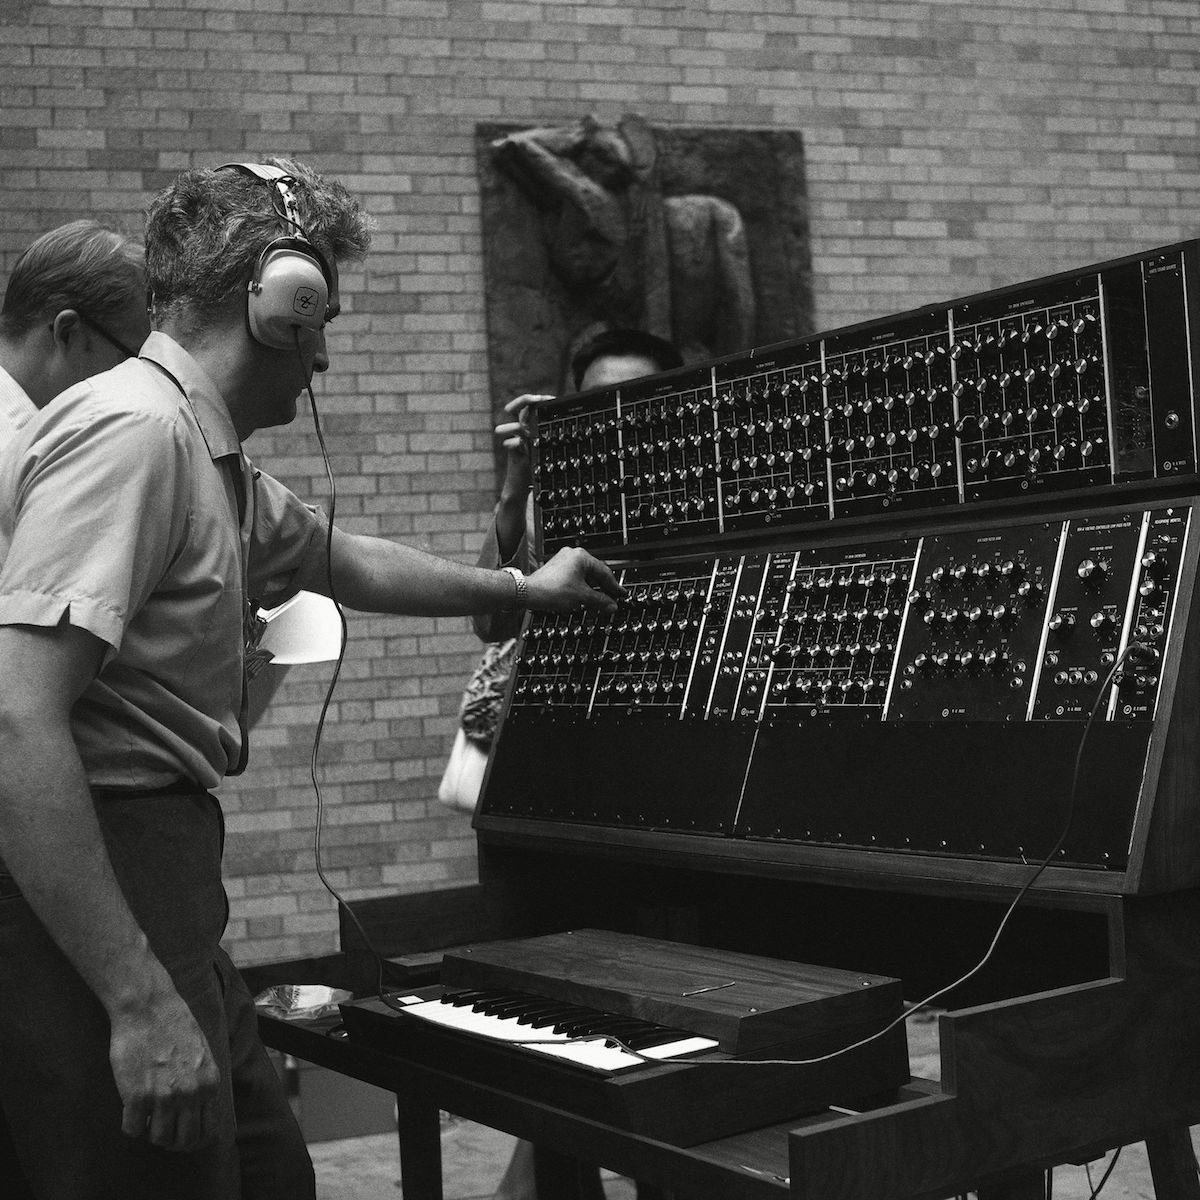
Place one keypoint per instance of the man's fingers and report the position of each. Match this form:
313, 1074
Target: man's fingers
527, 401
594, 598
135, 1117
162, 1130
599, 575
512, 429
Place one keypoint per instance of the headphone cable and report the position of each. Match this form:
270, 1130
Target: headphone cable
343, 905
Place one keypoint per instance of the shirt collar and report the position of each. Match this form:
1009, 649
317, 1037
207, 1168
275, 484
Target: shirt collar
212, 414
15, 404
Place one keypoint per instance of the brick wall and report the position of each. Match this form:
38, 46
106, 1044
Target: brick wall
951, 147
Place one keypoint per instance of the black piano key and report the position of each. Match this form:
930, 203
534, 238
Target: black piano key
541, 1016
570, 1015
461, 999
591, 1023
497, 1001
578, 1026
513, 1008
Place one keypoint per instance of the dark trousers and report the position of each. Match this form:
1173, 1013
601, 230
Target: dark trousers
57, 1093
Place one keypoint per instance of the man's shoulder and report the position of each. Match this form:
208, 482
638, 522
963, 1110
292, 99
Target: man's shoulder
131, 395
125, 415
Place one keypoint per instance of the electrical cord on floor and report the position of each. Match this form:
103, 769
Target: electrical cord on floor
1095, 1191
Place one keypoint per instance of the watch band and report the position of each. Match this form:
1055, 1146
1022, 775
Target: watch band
521, 598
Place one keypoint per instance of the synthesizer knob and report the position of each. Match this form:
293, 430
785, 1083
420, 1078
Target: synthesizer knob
1148, 587
944, 660
1100, 621
1030, 590
996, 660
1092, 570
1062, 623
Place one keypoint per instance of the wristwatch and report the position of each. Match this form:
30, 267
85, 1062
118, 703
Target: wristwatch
521, 598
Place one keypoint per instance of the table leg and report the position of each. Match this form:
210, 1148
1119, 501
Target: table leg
418, 1128
1173, 1164
560, 1177
1031, 1186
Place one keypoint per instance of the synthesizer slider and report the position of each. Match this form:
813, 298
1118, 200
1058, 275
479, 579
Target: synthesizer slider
723, 1010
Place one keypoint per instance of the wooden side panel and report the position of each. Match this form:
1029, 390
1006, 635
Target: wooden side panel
1036, 1080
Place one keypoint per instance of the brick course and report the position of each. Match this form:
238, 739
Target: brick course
951, 147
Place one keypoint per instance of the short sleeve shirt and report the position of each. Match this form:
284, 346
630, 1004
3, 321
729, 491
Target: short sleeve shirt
120, 514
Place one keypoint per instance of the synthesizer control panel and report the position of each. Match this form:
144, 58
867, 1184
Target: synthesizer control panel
1063, 385
1019, 622
917, 695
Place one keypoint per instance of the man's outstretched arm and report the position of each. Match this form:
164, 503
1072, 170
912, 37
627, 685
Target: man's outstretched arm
376, 575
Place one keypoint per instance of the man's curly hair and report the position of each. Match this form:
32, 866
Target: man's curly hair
205, 231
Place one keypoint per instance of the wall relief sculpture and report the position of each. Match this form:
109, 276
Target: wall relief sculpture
697, 235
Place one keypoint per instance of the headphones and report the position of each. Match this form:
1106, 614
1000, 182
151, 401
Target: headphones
292, 281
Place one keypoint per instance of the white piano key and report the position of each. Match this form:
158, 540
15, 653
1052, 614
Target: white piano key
594, 1053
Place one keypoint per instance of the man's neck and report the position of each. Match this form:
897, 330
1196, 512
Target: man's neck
25, 364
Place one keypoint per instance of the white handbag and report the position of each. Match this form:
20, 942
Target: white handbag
463, 777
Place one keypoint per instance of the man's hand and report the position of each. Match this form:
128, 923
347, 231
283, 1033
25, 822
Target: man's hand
515, 434
574, 579
165, 1074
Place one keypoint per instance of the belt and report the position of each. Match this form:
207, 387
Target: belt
177, 787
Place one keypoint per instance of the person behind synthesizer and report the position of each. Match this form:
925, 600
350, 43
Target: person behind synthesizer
612, 357
131, 532
75, 305
608, 358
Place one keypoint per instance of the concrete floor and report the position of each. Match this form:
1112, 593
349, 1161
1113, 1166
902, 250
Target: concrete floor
474, 1157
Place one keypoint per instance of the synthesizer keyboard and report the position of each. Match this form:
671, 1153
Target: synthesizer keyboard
585, 1037
729, 1035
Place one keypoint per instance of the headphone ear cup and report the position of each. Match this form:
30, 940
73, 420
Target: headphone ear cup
291, 291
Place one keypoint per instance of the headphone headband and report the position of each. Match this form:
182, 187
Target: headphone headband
279, 181
292, 282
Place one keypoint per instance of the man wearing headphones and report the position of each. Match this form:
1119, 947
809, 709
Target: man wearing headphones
132, 531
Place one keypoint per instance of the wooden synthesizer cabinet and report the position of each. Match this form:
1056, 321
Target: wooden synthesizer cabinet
910, 633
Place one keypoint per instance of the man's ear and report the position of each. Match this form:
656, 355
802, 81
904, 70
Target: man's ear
65, 327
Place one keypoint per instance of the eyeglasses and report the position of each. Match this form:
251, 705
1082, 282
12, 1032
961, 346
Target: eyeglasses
108, 337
